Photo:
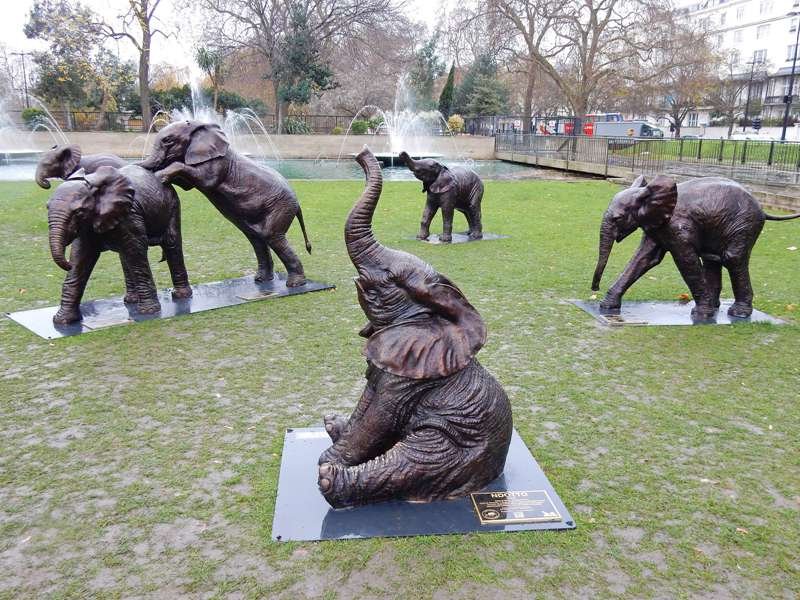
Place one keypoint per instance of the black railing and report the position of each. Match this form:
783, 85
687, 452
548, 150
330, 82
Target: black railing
744, 160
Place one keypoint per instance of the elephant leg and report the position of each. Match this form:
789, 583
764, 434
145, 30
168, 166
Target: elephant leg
266, 268
427, 216
742, 289
473, 215
83, 258
173, 252
691, 269
136, 251
131, 295
424, 465
648, 255
447, 223
294, 268
712, 272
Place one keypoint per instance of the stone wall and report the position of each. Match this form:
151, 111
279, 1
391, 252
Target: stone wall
131, 145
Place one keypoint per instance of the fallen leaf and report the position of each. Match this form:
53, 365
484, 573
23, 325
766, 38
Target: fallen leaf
653, 278
792, 248
742, 530
791, 307
684, 297
22, 290
593, 296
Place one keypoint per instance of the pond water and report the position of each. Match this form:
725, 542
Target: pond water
24, 169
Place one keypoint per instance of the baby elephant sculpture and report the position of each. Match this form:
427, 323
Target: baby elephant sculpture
431, 423
255, 198
450, 189
124, 210
63, 161
705, 223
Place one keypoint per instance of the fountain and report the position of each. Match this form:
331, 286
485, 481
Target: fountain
20, 148
407, 129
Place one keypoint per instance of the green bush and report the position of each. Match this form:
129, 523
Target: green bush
33, 116
359, 127
456, 123
337, 131
295, 126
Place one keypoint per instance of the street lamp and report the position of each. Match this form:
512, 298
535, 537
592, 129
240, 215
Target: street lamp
788, 99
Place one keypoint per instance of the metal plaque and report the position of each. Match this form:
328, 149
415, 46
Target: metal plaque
506, 507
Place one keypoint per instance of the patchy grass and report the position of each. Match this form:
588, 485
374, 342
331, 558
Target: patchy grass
143, 460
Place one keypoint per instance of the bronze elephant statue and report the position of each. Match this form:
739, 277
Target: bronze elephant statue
124, 210
254, 197
451, 189
705, 223
62, 161
432, 423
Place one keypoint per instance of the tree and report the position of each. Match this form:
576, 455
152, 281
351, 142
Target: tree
212, 63
261, 26
729, 92
142, 13
446, 97
488, 97
298, 65
425, 69
483, 67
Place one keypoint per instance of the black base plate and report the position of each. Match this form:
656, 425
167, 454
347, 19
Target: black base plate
639, 312
461, 238
302, 514
98, 314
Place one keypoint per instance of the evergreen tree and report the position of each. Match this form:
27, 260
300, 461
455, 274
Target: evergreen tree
484, 66
426, 68
446, 97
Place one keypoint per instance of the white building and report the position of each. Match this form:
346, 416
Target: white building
755, 30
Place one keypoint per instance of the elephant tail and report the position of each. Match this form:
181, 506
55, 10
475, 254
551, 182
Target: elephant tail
303, 228
782, 217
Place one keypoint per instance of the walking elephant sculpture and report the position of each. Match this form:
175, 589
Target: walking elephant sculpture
254, 197
432, 422
705, 223
451, 189
124, 210
62, 161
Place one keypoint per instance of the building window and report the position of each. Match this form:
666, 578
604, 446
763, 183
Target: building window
760, 56
765, 7
762, 32
722, 16
740, 13
737, 35
756, 90
790, 51
691, 119
736, 57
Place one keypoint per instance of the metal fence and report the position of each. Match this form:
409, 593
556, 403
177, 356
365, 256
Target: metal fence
744, 160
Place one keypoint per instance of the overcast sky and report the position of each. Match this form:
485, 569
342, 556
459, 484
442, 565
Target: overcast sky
15, 15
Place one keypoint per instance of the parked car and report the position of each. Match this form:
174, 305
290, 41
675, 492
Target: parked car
632, 129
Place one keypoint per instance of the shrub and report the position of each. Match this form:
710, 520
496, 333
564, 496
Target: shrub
456, 123
337, 131
359, 127
296, 126
33, 116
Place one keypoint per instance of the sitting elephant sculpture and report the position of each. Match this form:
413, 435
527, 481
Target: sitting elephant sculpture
124, 210
432, 423
254, 197
450, 189
705, 223
62, 161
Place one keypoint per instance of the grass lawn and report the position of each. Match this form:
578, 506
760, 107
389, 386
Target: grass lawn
143, 460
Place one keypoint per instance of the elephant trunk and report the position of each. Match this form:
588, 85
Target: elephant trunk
154, 160
361, 243
58, 222
41, 177
409, 162
607, 236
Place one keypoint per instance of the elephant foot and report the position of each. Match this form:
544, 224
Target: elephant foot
332, 484
610, 305
180, 293
148, 308
295, 280
423, 236
262, 276
476, 235
331, 455
334, 425
445, 238
704, 312
67, 316
740, 310
131, 298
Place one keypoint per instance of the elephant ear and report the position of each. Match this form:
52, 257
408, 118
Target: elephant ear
69, 158
443, 183
658, 203
435, 347
207, 142
113, 197
640, 181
